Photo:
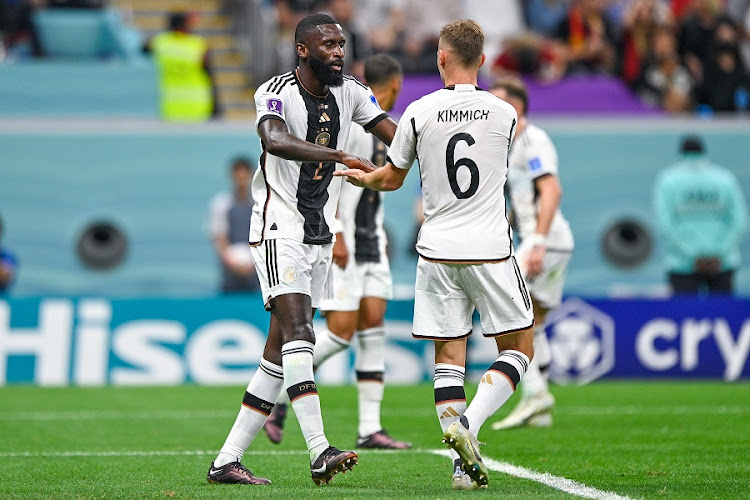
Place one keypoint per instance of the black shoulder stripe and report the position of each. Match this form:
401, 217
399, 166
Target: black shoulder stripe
284, 83
349, 77
273, 82
283, 80
414, 126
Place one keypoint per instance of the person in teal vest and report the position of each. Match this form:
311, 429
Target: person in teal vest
186, 89
702, 215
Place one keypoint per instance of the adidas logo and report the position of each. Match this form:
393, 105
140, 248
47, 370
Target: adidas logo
487, 379
324, 118
449, 413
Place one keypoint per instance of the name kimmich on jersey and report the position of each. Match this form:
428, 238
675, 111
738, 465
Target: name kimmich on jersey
294, 199
461, 136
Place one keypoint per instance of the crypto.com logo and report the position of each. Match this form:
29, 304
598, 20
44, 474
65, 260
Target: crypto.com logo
582, 340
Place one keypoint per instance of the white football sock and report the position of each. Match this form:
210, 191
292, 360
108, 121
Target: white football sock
496, 386
327, 344
370, 366
263, 388
536, 381
297, 357
450, 398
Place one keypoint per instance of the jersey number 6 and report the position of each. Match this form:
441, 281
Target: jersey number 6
453, 165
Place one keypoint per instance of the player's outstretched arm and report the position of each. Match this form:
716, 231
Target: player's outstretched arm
388, 178
278, 141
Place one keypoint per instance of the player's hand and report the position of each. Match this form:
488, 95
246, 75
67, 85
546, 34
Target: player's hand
531, 254
535, 261
356, 162
353, 175
340, 252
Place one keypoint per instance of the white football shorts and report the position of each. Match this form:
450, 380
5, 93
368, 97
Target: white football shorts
288, 266
446, 296
346, 287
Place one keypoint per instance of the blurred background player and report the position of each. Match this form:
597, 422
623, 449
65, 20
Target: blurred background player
359, 284
545, 249
702, 215
228, 226
186, 86
461, 136
8, 265
303, 117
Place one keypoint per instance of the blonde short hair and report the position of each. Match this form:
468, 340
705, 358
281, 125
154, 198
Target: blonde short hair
466, 38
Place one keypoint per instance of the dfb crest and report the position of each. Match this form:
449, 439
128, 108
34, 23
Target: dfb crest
582, 340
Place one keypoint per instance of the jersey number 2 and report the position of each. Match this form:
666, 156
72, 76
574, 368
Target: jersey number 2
453, 165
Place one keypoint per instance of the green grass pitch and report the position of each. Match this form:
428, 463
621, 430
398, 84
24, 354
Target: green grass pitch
623, 439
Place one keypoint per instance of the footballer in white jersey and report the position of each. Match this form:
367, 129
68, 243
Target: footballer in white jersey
545, 249
533, 156
359, 219
297, 199
359, 284
304, 118
460, 135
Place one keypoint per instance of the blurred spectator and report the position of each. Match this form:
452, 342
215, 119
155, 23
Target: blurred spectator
725, 85
186, 85
544, 16
702, 214
8, 265
589, 36
739, 12
500, 20
229, 226
358, 46
680, 8
424, 19
640, 20
696, 35
663, 81
531, 54
17, 31
386, 22
289, 13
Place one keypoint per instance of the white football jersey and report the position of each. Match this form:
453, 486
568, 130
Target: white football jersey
360, 211
460, 135
533, 155
295, 199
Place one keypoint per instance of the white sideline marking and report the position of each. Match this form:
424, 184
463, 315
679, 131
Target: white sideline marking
557, 482
210, 414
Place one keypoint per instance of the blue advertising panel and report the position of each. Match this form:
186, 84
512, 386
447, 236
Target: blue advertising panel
100, 341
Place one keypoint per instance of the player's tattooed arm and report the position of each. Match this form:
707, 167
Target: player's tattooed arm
278, 141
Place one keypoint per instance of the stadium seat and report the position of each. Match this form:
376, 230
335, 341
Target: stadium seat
86, 34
